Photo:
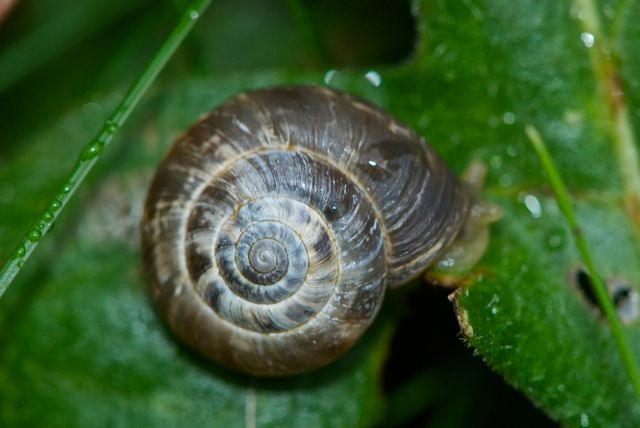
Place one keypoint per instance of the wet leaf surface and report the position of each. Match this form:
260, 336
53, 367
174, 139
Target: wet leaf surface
81, 346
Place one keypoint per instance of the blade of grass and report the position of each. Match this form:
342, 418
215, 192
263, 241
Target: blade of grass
90, 153
599, 290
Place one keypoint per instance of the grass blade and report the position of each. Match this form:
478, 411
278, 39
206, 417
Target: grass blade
599, 290
91, 152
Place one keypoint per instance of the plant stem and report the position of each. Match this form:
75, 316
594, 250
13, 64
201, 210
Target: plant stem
91, 152
598, 287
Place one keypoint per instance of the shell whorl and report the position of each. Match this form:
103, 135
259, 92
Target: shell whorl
275, 223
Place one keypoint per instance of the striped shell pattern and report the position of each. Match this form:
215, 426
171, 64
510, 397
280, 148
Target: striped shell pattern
276, 222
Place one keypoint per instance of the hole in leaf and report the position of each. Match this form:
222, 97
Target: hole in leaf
584, 285
625, 298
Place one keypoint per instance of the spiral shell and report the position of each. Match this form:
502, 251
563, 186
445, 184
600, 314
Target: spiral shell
274, 225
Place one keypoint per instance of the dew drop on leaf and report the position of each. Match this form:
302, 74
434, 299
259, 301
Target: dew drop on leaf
34, 235
20, 252
584, 420
92, 150
509, 118
373, 77
111, 127
588, 39
555, 238
533, 205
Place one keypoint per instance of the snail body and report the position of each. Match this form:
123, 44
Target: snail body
276, 222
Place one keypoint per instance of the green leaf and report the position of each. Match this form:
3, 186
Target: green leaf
103, 357
524, 314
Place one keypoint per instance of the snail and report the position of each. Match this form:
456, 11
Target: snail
276, 222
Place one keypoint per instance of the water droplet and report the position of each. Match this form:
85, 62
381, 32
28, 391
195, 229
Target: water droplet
373, 77
509, 118
584, 420
20, 252
505, 180
194, 14
42, 225
372, 163
20, 264
47, 216
495, 162
588, 39
111, 126
533, 205
555, 238
66, 189
573, 117
334, 210
34, 235
55, 206
440, 50
92, 150
494, 310
329, 75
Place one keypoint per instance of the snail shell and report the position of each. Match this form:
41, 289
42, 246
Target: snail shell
274, 225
